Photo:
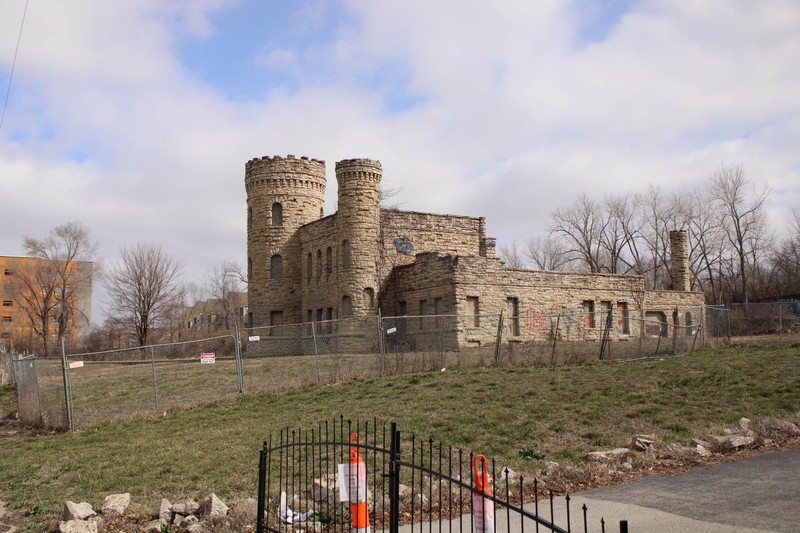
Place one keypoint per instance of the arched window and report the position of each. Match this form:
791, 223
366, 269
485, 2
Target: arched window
309, 266
276, 267
345, 255
319, 264
369, 298
277, 214
329, 260
347, 306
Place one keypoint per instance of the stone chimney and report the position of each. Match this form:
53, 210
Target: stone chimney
679, 258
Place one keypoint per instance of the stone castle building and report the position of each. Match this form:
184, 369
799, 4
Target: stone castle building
303, 266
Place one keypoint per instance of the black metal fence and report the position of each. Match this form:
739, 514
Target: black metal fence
360, 477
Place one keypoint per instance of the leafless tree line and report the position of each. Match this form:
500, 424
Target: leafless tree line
733, 254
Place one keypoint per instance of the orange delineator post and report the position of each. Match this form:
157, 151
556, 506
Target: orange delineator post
359, 510
482, 507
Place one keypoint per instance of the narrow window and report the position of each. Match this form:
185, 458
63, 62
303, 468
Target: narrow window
309, 266
277, 214
605, 313
473, 312
249, 268
329, 261
329, 313
512, 305
319, 264
276, 267
588, 313
319, 315
403, 310
623, 319
309, 315
369, 298
437, 306
347, 306
249, 215
345, 255
676, 322
689, 324
423, 306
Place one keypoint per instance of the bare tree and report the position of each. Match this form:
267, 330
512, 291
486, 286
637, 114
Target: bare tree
225, 285
511, 254
785, 260
744, 219
547, 253
144, 289
55, 290
580, 225
707, 243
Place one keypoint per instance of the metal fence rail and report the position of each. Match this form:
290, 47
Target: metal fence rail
322, 475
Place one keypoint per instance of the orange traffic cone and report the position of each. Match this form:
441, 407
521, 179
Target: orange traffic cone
359, 508
482, 507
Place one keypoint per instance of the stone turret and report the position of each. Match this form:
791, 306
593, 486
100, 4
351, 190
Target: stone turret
358, 222
679, 258
282, 195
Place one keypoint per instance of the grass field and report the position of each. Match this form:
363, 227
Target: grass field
521, 416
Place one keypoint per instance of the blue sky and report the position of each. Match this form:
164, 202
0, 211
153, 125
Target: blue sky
137, 118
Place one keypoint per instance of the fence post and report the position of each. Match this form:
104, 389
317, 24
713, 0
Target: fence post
499, 338
262, 482
155, 383
394, 479
316, 350
67, 399
381, 344
237, 343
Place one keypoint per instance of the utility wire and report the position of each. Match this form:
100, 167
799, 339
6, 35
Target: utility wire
13, 64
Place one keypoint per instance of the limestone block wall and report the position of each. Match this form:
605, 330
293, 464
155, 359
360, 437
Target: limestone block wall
530, 299
283, 194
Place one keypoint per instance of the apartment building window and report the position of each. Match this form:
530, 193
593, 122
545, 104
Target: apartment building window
276, 267
345, 255
473, 312
512, 305
7, 303
8, 272
277, 214
6, 319
588, 313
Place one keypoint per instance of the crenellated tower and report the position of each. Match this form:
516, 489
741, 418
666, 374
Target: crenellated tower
358, 224
282, 195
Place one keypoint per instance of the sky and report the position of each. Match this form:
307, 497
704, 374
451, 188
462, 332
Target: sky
136, 117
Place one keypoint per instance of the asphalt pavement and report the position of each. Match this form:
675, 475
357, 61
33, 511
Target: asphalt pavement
760, 493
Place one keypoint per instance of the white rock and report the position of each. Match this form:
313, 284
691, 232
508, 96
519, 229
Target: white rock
212, 507
165, 511
186, 507
77, 511
116, 504
78, 526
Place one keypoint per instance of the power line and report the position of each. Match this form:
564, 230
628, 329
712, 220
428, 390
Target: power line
13, 64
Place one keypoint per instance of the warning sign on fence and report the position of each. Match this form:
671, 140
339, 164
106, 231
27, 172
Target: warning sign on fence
352, 482
208, 358
75, 364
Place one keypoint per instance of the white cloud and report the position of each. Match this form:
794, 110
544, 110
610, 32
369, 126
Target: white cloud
511, 112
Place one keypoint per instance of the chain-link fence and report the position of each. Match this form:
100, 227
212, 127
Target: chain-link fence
142, 381
146, 381
773, 323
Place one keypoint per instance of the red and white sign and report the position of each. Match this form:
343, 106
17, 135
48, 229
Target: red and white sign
208, 358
